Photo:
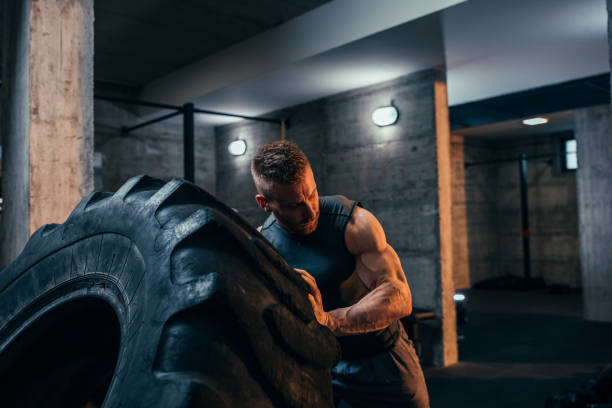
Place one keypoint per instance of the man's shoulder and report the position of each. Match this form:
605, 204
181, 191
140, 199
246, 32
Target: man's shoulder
268, 223
337, 205
364, 233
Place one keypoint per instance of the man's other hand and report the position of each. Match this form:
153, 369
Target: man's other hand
315, 299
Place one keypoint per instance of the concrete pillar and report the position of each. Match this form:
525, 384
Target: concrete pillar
48, 134
592, 128
610, 39
445, 199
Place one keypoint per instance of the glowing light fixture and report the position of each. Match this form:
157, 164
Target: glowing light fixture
535, 121
237, 147
571, 155
459, 297
385, 116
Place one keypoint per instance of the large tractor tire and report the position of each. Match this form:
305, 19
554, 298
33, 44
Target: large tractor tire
158, 296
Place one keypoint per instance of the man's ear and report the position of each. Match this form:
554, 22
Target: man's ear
262, 202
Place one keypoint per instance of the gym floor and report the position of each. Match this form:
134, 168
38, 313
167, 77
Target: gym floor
518, 348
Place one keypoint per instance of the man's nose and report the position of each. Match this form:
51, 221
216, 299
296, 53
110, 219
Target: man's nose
309, 211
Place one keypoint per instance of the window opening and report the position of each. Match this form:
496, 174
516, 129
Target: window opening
570, 154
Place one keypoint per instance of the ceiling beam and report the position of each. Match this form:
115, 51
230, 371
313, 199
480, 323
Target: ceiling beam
327, 27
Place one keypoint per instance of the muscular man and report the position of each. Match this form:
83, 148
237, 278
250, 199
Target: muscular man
358, 287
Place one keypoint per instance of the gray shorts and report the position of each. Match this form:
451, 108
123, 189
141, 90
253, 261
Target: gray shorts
393, 378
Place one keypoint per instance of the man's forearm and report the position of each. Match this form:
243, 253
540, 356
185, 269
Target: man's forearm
385, 304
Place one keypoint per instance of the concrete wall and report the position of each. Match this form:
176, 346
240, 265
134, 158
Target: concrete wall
234, 185
552, 214
593, 128
471, 191
156, 150
492, 205
477, 210
392, 170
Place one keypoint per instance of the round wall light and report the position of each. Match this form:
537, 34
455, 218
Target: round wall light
385, 116
237, 147
535, 121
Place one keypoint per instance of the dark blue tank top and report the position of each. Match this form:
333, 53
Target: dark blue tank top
324, 255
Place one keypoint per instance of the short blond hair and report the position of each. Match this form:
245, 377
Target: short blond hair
279, 162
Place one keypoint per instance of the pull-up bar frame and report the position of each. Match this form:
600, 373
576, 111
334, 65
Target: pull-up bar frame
525, 232
187, 110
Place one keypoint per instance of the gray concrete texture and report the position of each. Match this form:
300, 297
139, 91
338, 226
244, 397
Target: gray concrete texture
494, 218
15, 128
593, 128
479, 207
190, 31
466, 259
610, 40
156, 150
233, 181
4, 44
391, 170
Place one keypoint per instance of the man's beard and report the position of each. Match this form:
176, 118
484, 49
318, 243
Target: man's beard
304, 229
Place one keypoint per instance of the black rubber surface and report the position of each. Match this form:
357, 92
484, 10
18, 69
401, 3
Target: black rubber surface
158, 296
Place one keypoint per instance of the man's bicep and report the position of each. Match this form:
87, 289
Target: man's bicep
375, 260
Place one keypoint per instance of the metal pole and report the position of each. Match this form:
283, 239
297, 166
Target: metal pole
188, 153
126, 130
525, 217
233, 115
